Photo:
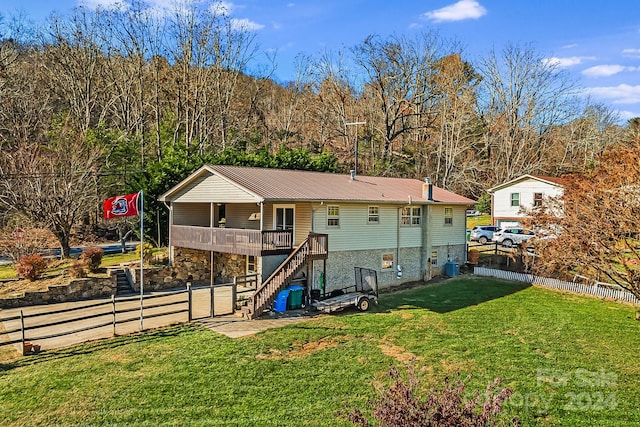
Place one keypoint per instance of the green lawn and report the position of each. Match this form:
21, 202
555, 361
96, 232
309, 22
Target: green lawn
571, 361
484, 219
7, 271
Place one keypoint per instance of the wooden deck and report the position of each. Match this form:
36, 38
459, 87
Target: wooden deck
232, 240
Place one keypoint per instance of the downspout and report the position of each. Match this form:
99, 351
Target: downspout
170, 208
261, 215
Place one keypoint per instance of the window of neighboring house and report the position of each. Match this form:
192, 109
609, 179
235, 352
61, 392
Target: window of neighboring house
374, 215
537, 199
387, 261
251, 264
515, 199
333, 216
411, 216
448, 216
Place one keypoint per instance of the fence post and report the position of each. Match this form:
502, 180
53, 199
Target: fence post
234, 294
22, 331
189, 301
113, 310
211, 308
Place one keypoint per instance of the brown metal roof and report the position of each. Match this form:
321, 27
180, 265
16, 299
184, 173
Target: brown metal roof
291, 185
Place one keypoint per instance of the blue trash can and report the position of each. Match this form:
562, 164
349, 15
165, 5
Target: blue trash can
280, 304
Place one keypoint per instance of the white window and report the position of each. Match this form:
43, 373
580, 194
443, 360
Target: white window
374, 215
515, 199
434, 258
333, 216
411, 216
251, 264
448, 216
283, 217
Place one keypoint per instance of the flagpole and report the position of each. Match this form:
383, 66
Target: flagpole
141, 213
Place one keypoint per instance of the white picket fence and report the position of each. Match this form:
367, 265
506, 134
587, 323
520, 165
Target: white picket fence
599, 289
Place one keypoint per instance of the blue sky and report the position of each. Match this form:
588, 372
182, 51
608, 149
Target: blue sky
597, 41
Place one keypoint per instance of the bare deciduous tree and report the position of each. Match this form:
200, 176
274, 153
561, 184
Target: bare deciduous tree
53, 185
522, 99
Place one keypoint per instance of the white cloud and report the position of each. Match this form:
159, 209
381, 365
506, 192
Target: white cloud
414, 25
291, 4
621, 94
568, 61
633, 53
222, 8
570, 46
628, 115
607, 70
463, 9
245, 25
104, 4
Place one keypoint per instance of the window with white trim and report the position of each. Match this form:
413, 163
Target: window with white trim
448, 216
411, 216
333, 216
515, 200
251, 264
374, 215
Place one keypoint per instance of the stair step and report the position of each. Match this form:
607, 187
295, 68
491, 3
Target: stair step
122, 283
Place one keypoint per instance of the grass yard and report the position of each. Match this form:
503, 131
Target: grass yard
484, 219
571, 361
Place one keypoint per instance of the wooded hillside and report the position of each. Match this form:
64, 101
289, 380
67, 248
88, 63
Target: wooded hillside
146, 99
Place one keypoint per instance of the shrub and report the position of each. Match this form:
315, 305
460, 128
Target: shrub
401, 405
93, 258
31, 266
79, 268
147, 252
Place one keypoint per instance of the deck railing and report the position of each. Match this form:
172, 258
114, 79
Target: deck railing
232, 240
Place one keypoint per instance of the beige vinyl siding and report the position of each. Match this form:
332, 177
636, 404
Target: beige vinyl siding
448, 234
212, 188
191, 214
355, 232
268, 216
238, 215
302, 221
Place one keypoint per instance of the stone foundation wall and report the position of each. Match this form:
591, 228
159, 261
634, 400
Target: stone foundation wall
77, 289
227, 266
341, 271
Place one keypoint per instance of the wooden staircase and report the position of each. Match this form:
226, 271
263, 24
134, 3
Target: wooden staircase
314, 247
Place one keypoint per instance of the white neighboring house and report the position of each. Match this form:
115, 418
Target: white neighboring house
512, 201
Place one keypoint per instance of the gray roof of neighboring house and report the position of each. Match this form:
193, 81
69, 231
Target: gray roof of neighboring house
293, 185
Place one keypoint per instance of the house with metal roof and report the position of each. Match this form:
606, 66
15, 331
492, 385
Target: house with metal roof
282, 223
513, 201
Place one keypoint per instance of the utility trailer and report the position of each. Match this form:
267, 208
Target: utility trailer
362, 295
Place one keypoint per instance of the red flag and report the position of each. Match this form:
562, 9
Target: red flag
115, 207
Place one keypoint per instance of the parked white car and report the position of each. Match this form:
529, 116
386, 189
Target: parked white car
512, 236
